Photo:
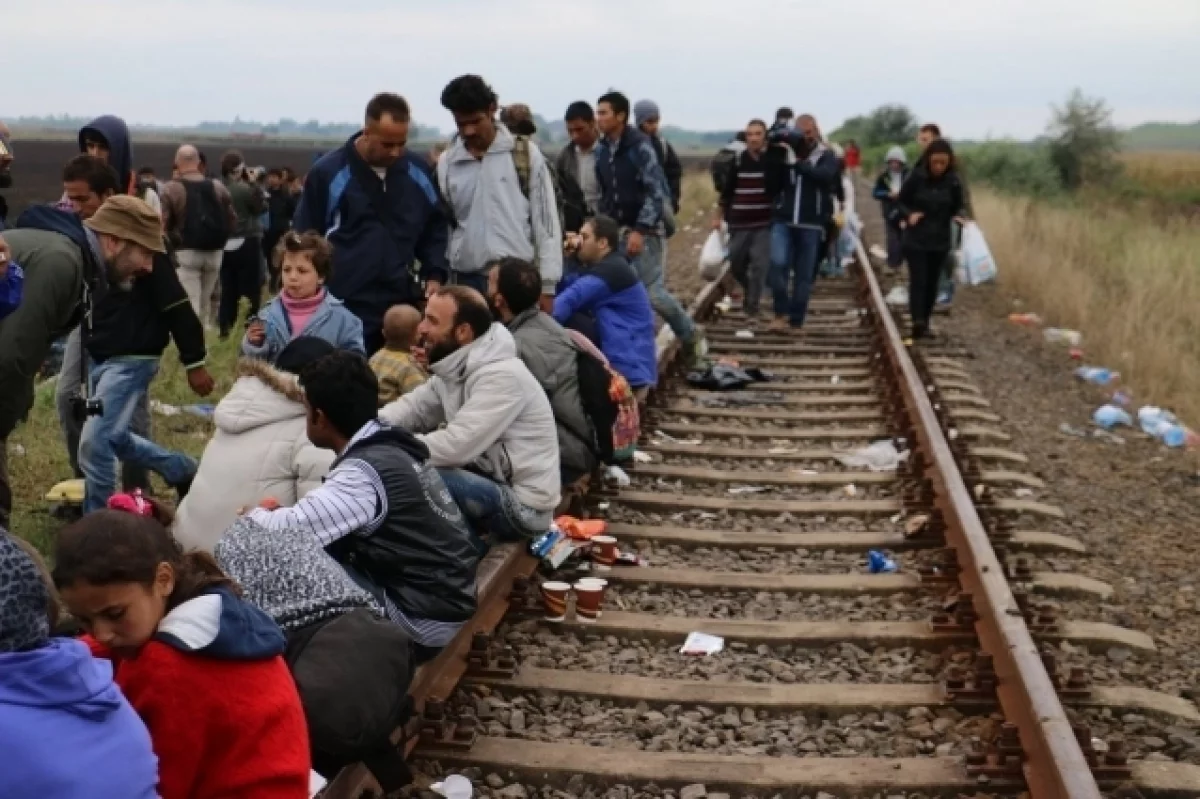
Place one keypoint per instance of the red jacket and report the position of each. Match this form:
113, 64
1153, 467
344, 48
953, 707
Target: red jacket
224, 724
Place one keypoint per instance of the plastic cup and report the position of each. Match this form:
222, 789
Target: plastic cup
589, 596
604, 551
554, 597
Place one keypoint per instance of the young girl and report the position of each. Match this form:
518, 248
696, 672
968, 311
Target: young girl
304, 307
199, 665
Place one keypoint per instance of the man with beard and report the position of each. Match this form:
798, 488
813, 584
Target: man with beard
484, 417
138, 306
376, 204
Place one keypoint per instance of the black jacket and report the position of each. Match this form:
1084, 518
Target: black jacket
883, 193
809, 186
421, 555
669, 162
939, 200
281, 206
143, 319
774, 171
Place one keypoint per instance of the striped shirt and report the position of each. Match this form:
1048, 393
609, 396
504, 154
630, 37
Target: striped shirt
352, 501
751, 207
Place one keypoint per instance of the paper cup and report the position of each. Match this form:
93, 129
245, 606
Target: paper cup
554, 597
589, 596
604, 551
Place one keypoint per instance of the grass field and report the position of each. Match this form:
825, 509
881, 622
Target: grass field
1129, 280
1167, 176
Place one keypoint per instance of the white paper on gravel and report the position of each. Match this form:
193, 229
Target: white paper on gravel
456, 786
879, 456
702, 644
897, 296
739, 490
617, 475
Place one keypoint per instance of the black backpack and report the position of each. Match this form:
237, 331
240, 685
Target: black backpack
205, 222
719, 168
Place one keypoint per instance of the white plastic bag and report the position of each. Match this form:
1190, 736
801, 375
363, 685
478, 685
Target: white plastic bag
977, 258
712, 256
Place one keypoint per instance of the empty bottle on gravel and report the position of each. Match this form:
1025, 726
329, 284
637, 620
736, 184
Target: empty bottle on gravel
1097, 375
879, 563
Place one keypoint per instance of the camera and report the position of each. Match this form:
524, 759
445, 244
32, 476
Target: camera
84, 408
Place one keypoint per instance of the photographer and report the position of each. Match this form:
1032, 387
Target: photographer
241, 266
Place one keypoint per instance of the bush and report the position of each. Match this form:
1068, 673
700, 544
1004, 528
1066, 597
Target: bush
1012, 167
1084, 142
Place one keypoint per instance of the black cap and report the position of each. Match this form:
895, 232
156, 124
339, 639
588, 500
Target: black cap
302, 351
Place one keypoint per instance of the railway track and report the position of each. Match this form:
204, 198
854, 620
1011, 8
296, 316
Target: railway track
940, 679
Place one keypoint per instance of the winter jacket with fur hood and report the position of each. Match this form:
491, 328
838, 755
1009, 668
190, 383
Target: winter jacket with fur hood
260, 449
497, 418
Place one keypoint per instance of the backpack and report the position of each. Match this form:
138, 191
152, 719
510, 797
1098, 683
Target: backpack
523, 164
720, 168
609, 403
205, 223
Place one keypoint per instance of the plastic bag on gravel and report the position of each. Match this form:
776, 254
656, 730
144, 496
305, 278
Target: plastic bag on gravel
879, 456
897, 296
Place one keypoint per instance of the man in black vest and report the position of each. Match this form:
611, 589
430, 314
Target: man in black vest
383, 512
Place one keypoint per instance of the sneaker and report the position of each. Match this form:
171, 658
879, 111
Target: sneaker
944, 303
779, 325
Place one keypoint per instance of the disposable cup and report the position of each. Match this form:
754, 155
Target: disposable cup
604, 551
589, 596
554, 597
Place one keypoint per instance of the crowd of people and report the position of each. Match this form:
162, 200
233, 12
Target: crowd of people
454, 345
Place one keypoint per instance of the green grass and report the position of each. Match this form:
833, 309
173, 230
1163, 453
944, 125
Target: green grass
37, 456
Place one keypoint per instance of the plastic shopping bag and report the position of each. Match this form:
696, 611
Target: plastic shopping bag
712, 256
978, 263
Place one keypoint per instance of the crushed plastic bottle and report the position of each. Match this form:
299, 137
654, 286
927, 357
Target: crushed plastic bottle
1123, 398
1059, 335
879, 563
1027, 319
1109, 416
1097, 375
1162, 425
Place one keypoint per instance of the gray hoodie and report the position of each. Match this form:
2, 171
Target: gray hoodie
494, 218
497, 418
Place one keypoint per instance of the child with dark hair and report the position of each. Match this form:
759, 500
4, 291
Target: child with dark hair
383, 511
304, 307
55, 698
202, 667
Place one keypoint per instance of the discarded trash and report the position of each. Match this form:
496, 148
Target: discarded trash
640, 456
806, 472
706, 516
879, 563
877, 252
744, 334
18, 450
782, 451
670, 439
1097, 375
204, 411
1109, 416
916, 525
1059, 335
1023, 493
1027, 319
739, 399
725, 304
456, 786
835, 380
850, 490
617, 475
164, 409
1076, 354
702, 644
1068, 430
1104, 435
1122, 398
879, 456
1162, 425
897, 296
739, 490
724, 377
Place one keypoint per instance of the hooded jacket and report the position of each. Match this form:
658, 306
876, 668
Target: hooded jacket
115, 134
497, 418
611, 292
938, 200
553, 359
883, 191
260, 449
633, 188
331, 322
378, 228
66, 731
493, 218
809, 188
221, 707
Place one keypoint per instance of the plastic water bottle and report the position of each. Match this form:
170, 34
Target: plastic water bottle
1097, 375
1059, 335
1109, 416
879, 563
1162, 425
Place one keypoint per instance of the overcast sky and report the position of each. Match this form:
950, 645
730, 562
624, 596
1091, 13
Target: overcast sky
979, 67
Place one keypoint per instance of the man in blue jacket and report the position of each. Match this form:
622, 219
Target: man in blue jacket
377, 205
608, 291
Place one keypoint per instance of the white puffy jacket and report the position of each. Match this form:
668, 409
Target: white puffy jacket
261, 449
496, 417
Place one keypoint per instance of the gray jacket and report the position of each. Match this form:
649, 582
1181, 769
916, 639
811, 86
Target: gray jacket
495, 415
495, 220
552, 357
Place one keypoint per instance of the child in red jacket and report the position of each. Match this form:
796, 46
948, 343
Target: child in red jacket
199, 665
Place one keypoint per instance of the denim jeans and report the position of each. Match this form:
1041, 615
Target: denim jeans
494, 508
794, 255
121, 384
650, 265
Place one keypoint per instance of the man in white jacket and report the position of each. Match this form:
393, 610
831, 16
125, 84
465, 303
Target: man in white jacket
500, 193
498, 449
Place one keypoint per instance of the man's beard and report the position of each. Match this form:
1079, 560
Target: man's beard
442, 349
118, 277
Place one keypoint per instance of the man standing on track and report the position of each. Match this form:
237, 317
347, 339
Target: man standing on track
377, 205
648, 119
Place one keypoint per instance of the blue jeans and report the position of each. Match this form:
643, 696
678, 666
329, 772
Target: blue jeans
650, 264
795, 251
121, 384
494, 508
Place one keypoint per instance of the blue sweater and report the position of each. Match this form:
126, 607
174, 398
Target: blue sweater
378, 229
331, 321
66, 730
612, 294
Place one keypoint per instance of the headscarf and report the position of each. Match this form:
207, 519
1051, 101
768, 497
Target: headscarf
24, 599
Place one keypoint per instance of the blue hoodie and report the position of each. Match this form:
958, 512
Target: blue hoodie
114, 131
66, 731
